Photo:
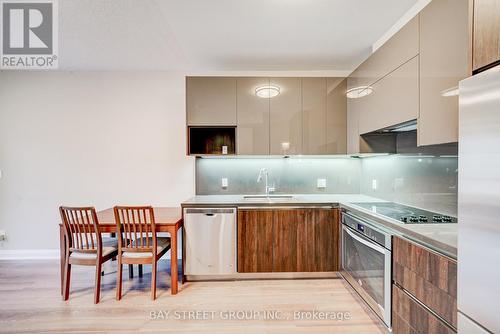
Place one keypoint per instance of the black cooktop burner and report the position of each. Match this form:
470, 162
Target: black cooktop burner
406, 214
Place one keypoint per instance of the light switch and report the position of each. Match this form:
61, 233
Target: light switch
224, 182
321, 183
374, 184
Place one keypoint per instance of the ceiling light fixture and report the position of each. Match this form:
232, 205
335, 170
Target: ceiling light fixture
267, 91
357, 92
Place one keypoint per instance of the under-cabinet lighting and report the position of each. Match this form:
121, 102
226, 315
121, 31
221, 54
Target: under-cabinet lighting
267, 91
357, 92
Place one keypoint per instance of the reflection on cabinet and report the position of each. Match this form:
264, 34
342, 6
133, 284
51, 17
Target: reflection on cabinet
211, 101
255, 241
428, 277
286, 117
253, 117
485, 34
394, 99
443, 63
296, 240
336, 116
314, 115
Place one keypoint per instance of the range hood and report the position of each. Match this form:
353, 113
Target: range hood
401, 127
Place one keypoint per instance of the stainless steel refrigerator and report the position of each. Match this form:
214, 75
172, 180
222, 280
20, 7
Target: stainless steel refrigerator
479, 204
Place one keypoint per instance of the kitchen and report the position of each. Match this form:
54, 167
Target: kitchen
273, 200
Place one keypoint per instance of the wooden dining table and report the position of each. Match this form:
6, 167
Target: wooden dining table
167, 219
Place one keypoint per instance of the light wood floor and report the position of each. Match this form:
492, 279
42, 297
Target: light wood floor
30, 303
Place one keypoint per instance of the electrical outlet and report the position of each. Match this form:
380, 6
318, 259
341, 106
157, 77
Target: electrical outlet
321, 183
224, 182
374, 184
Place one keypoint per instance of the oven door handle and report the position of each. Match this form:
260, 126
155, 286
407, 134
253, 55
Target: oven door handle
365, 242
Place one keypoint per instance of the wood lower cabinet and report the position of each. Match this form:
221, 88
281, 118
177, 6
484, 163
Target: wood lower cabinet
255, 241
410, 317
288, 240
429, 277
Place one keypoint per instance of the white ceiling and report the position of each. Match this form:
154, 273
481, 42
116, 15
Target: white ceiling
223, 35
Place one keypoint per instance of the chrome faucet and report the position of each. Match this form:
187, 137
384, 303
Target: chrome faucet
264, 173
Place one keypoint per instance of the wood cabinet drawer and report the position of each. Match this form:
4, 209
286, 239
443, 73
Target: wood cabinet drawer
408, 316
430, 277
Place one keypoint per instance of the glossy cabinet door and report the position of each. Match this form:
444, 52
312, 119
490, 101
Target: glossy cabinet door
395, 99
354, 109
253, 118
286, 117
314, 115
255, 241
336, 116
396, 51
443, 63
485, 33
211, 100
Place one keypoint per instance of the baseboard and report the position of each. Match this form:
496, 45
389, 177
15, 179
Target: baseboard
29, 254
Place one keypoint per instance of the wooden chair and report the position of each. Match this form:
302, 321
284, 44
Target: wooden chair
84, 245
137, 242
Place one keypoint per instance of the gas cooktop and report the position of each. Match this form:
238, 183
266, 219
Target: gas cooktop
406, 214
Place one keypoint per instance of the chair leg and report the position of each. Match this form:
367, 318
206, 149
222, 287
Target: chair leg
153, 280
140, 270
119, 280
97, 289
67, 279
130, 271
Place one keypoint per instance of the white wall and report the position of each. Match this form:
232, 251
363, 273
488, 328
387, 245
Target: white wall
88, 138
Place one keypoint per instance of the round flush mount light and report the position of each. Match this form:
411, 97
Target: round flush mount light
357, 92
267, 91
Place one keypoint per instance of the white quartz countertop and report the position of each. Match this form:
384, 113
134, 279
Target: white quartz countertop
297, 199
441, 238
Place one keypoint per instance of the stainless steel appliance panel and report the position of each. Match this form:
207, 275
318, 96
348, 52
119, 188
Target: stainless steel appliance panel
479, 199
366, 265
210, 241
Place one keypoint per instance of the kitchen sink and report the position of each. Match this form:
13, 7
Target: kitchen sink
270, 198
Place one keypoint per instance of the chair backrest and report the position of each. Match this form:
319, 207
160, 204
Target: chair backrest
81, 229
137, 226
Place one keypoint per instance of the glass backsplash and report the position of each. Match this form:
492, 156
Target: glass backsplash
428, 182
286, 175
423, 181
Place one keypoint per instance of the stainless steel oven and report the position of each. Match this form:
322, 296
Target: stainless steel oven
366, 262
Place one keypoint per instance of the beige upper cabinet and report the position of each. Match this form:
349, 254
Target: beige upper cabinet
394, 99
336, 116
485, 33
314, 115
253, 118
443, 63
397, 50
211, 100
286, 117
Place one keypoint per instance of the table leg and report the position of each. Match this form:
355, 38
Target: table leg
62, 250
173, 262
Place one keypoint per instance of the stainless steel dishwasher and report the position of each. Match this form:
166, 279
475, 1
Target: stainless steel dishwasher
210, 236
